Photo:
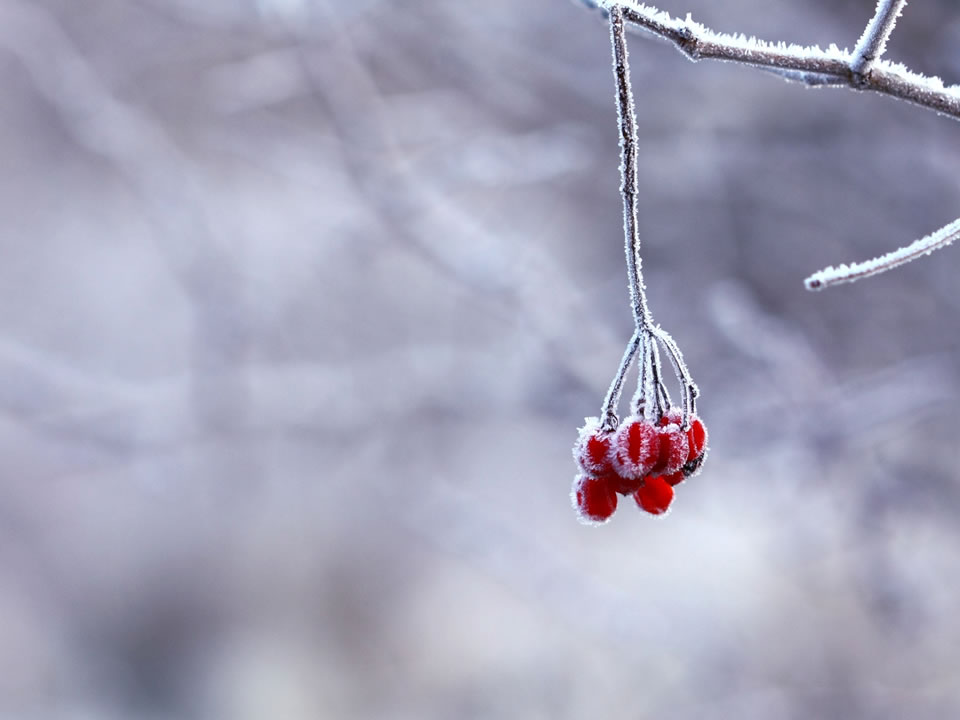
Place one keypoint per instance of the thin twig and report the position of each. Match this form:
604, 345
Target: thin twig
661, 394
612, 400
627, 121
645, 385
855, 271
688, 386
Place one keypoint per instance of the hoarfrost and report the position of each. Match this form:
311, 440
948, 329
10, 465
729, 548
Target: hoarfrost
855, 271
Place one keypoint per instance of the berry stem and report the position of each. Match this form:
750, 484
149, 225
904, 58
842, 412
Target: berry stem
650, 384
690, 390
612, 400
662, 394
648, 400
639, 402
627, 117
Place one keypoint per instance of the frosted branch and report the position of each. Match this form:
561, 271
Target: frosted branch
873, 42
855, 271
627, 122
811, 65
861, 70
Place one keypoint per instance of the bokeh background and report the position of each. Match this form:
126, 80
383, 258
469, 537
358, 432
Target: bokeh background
303, 302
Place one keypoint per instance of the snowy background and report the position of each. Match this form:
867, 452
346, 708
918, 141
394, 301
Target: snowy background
302, 304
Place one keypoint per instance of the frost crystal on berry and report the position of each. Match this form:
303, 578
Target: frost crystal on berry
674, 449
673, 415
635, 448
592, 449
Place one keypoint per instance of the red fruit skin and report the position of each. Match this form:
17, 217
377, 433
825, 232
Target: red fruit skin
697, 438
676, 478
673, 450
636, 446
625, 485
592, 449
655, 496
594, 499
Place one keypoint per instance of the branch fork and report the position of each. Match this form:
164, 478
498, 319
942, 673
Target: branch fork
863, 69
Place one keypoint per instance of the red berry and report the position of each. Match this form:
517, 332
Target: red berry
673, 415
635, 448
697, 438
624, 485
655, 496
673, 450
592, 449
675, 479
593, 499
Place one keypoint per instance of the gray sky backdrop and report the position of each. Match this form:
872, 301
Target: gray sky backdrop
302, 302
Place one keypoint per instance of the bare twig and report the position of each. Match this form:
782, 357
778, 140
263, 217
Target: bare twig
627, 117
860, 70
612, 400
855, 271
688, 386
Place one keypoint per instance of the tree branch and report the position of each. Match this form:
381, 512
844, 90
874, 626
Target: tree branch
811, 65
860, 70
873, 42
855, 271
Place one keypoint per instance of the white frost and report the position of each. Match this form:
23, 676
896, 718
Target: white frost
854, 271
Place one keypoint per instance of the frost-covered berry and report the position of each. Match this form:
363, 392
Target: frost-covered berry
697, 438
655, 496
592, 449
696, 435
672, 416
593, 499
673, 450
636, 445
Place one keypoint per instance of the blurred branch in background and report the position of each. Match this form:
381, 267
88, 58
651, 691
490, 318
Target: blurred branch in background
139, 149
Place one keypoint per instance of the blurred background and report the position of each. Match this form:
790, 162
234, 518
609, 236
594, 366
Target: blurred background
303, 303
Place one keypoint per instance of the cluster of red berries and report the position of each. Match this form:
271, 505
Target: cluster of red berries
639, 458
